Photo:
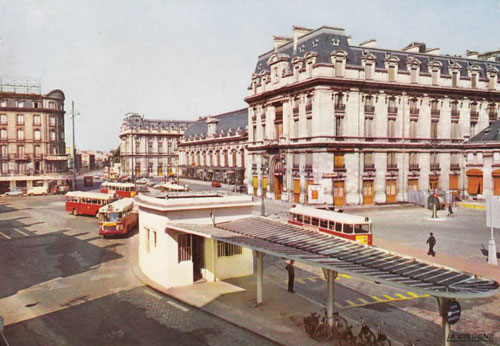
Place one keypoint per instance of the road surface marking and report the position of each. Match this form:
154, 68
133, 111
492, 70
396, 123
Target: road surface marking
387, 297
20, 232
5, 235
378, 299
350, 302
152, 294
363, 301
345, 276
413, 294
401, 296
175, 305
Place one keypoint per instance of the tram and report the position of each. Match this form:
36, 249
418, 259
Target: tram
353, 227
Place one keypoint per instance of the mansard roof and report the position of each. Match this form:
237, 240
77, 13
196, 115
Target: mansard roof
325, 40
489, 134
138, 121
225, 122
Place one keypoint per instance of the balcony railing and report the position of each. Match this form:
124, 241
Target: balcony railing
414, 111
454, 167
392, 167
435, 112
474, 115
414, 167
392, 110
295, 167
308, 168
434, 166
309, 108
493, 116
369, 167
455, 113
339, 107
369, 109
295, 111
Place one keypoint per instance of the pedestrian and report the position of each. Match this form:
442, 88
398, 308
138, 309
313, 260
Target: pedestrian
291, 275
431, 241
450, 210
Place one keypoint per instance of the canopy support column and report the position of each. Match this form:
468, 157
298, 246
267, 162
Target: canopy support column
445, 325
260, 276
330, 278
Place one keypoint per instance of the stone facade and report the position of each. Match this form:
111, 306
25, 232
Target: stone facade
150, 146
214, 148
364, 124
32, 138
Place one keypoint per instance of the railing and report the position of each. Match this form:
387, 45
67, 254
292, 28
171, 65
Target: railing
309, 108
414, 167
295, 111
369, 109
493, 115
454, 167
455, 113
474, 115
435, 112
339, 107
392, 167
308, 168
392, 110
369, 167
414, 111
434, 166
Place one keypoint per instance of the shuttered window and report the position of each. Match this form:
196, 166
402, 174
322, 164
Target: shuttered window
184, 247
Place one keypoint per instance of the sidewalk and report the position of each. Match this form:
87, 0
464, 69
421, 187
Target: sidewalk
278, 318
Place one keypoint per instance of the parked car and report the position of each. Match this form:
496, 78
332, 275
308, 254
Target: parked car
142, 181
15, 192
59, 189
142, 188
215, 183
241, 188
38, 190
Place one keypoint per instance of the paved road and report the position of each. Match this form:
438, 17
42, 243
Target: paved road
62, 284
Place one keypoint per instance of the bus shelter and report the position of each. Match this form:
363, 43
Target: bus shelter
336, 255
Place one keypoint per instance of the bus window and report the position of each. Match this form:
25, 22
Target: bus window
338, 227
113, 217
307, 219
348, 228
331, 225
362, 228
315, 221
95, 201
323, 223
299, 218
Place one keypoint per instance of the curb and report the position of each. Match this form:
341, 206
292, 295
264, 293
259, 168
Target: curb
146, 281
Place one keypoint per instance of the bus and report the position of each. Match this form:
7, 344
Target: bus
123, 190
87, 203
88, 180
169, 187
353, 227
118, 217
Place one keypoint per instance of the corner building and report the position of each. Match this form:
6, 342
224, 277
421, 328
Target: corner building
364, 124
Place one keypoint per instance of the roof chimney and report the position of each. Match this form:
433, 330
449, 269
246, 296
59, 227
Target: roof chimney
298, 32
349, 40
472, 54
415, 47
280, 40
372, 43
433, 51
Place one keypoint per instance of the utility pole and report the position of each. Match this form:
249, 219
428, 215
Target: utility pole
74, 149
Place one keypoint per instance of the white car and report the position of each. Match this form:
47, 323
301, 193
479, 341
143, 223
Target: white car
14, 192
142, 181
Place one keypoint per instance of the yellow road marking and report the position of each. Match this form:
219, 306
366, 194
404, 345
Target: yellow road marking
350, 302
345, 276
401, 296
388, 297
20, 232
378, 299
299, 280
363, 301
413, 294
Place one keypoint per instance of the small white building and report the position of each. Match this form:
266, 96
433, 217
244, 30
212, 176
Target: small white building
173, 258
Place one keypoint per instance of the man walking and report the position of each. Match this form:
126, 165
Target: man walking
431, 241
291, 275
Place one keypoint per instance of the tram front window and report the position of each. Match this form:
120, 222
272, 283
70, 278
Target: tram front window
299, 218
362, 229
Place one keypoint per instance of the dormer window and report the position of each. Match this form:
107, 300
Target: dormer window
474, 71
335, 41
338, 58
391, 63
492, 73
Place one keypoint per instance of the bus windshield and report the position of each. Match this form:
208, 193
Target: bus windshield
110, 217
362, 228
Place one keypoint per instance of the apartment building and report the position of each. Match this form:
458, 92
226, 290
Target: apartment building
32, 138
214, 148
150, 147
360, 124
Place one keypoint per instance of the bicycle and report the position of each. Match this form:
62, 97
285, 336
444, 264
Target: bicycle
311, 322
348, 338
323, 331
365, 336
381, 339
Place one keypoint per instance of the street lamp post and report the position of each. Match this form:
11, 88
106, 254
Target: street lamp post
74, 148
132, 143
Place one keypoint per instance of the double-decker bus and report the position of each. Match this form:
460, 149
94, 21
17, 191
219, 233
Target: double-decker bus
87, 203
121, 189
118, 217
352, 227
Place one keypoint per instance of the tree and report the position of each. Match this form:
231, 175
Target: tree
116, 156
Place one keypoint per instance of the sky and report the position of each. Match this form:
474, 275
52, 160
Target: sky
181, 60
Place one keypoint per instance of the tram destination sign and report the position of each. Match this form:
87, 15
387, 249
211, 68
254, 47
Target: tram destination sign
453, 312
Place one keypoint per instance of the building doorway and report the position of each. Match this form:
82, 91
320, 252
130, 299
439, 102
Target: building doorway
338, 193
368, 192
475, 182
278, 186
390, 191
198, 257
496, 182
296, 190
413, 184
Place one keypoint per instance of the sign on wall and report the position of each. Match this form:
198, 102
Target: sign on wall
315, 193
